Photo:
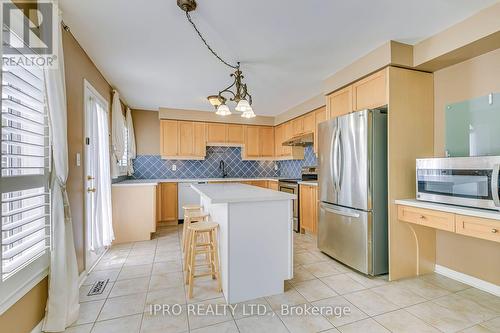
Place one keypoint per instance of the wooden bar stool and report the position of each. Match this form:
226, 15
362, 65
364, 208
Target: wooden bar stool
200, 245
191, 216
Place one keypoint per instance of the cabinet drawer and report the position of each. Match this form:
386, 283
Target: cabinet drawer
427, 218
478, 227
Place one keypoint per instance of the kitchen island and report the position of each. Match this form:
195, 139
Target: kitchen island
255, 238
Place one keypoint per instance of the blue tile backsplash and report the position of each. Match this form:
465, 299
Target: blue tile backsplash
292, 169
153, 167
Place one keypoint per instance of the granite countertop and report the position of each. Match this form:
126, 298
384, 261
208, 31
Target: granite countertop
484, 213
152, 182
231, 193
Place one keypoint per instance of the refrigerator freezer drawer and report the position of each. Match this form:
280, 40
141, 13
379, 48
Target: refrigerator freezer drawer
345, 234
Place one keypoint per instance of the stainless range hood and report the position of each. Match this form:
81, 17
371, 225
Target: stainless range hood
303, 140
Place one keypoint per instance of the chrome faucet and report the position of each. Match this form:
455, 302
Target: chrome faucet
222, 166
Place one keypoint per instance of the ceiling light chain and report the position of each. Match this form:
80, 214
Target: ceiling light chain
206, 43
241, 95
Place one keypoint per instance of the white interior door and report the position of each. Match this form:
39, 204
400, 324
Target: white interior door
94, 105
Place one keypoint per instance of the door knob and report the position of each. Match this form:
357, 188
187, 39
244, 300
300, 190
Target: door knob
91, 189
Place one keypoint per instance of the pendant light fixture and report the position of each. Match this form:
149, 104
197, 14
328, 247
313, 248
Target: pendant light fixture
237, 92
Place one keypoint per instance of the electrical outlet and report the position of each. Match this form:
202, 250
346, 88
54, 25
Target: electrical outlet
174, 167
78, 159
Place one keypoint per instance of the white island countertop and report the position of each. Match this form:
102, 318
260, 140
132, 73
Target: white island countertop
230, 193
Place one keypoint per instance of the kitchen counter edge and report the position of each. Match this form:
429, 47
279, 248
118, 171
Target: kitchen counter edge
483, 213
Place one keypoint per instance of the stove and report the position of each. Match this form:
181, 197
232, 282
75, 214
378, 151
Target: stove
291, 185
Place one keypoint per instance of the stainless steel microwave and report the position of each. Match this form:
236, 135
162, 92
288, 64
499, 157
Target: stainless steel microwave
464, 181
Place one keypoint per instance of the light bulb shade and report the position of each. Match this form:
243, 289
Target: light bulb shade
243, 106
248, 114
214, 100
223, 110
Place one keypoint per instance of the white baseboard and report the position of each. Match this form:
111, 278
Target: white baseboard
467, 279
38, 328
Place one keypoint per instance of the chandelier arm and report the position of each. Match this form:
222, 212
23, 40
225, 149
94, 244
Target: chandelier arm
208, 46
227, 91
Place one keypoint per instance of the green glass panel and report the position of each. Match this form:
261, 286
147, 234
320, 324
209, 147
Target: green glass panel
473, 127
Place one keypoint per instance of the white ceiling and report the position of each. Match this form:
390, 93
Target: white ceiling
148, 50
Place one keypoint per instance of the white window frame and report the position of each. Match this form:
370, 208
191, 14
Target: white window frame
26, 278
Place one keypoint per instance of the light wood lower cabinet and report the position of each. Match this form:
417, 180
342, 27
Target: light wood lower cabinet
427, 218
134, 212
273, 185
167, 202
478, 227
308, 201
461, 224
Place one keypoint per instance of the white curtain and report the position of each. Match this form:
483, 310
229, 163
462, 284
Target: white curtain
102, 222
131, 154
117, 129
62, 305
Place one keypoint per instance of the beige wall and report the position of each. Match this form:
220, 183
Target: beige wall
78, 66
473, 78
23, 316
147, 132
474, 36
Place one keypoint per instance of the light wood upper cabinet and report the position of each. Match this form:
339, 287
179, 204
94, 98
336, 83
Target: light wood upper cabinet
298, 126
320, 116
259, 142
169, 138
186, 138
235, 134
370, 92
308, 208
278, 140
200, 139
252, 142
266, 141
182, 139
340, 102
167, 202
309, 122
217, 133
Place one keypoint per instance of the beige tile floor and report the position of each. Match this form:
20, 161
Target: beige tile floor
146, 273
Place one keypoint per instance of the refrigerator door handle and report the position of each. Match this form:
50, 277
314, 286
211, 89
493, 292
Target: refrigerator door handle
332, 158
338, 212
336, 160
341, 160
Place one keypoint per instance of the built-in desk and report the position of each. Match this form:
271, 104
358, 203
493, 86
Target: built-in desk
424, 218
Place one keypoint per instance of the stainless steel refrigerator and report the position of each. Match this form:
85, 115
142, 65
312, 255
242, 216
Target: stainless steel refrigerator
352, 226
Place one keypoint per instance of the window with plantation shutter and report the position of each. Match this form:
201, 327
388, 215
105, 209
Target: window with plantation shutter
25, 167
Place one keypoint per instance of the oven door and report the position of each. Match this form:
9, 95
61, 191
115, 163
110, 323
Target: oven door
474, 187
292, 189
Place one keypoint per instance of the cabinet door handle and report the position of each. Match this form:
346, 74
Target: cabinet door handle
494, 231
422, 217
